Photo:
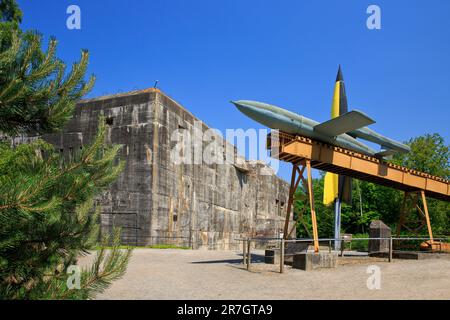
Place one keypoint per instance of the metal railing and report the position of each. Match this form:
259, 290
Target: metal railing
179, 241
280, 244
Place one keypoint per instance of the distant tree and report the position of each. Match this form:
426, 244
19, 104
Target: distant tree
429, 154
47, 212
370, 202
10, 13
324, 214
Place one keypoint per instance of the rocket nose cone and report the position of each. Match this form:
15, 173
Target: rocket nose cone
248, 109
246, 104
234, 102
237, 102
240, 105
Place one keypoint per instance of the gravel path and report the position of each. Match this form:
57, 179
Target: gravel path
191, 274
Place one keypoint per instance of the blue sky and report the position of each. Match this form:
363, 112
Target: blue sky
208, 52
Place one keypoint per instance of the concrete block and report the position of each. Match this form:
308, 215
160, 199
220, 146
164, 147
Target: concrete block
272, 256
308, 261
418, 255
378, 229
295, 247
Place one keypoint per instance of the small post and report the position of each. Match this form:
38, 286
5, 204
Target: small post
249, 255
282, 256
329, 245
337, 223
244, 251
390, 249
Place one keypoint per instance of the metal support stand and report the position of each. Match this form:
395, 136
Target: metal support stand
294, 185
390, 249
337, 224
282, 256
313, 210
244, 252
410, 202
307, 152
307, 183
249, 255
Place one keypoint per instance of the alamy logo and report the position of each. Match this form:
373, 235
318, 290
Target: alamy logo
195, 146
374, 20
374, 280
73, 22
74, 280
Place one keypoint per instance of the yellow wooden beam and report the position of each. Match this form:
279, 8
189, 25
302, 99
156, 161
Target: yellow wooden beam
313, 210
427, 216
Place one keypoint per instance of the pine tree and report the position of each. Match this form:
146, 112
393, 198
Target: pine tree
48, 212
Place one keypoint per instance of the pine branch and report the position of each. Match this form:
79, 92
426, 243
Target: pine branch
47, 213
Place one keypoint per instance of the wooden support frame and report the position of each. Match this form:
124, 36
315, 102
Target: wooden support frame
296, 178
326, 157
410, 202
304, 151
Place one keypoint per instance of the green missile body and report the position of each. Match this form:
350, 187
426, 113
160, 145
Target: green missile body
340, 131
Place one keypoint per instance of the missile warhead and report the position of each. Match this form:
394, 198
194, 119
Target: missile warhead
268, 115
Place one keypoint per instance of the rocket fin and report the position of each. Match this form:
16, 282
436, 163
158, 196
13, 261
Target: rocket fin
385, 153
330, 190
345, 189
342, 124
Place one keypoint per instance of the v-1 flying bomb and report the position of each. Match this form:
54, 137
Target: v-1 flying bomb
341, 131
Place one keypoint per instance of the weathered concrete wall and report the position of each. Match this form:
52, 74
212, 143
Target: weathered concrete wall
157, 201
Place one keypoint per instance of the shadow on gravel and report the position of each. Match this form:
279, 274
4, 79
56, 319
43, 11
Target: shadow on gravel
255, 259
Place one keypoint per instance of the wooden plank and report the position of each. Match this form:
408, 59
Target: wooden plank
313, 210
290, 200
415, 181
300, 149
427, 216
364, 166
436, 186
393, 175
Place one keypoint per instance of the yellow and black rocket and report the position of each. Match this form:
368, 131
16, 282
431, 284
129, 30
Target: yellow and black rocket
337, 187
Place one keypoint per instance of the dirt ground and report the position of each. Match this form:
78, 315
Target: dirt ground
191, 274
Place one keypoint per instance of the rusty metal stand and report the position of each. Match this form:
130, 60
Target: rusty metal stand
297, 176
411, 202
309, 153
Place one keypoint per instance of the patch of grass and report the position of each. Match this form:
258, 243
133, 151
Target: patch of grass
155, 246
360, 245
166, 246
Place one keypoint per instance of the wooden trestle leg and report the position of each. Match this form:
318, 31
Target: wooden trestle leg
297, 176
427, 216
406, 209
